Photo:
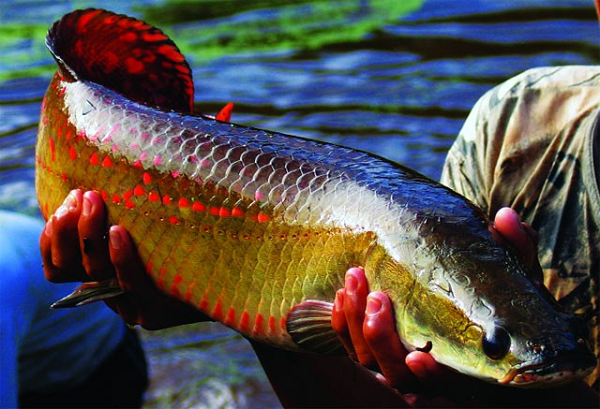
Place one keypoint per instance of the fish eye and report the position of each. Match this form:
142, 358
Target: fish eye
496, 343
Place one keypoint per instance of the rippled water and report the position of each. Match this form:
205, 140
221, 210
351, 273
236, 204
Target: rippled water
396, 78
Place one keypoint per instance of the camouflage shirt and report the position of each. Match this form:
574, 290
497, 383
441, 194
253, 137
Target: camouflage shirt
532, 143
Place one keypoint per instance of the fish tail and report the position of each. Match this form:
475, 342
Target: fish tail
125, 55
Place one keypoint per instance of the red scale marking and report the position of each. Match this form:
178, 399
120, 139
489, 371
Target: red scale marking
166, 199
116, 199
214, 211
107, 162
245, 321
160, 283
259, 323
147, 178
72, 153
204, 303
237, 212
183, 202
138, 190
198, 207
174, 220
104, 195
230, 317
282, 326
52, 149
129, 204
94, 159
262, 218
189, 291
153, 196
218, 311
127, 195
175, 286
224, 212
272, 325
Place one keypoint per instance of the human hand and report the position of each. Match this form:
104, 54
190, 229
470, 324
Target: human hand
76, 245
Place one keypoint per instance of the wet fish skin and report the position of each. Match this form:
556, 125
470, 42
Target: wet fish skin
256, 228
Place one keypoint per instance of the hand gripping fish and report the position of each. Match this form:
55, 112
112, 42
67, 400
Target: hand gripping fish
256, 228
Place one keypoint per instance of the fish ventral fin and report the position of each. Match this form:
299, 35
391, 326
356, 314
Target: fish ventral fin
125, 55
309, 325
90, 292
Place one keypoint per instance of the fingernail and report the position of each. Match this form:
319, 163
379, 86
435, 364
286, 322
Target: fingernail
374, 305
67, 206
114, 237
87, 207
338, 303
71, 201
350, 284
49, 228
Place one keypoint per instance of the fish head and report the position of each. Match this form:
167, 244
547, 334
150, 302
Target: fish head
475, 307
511, 330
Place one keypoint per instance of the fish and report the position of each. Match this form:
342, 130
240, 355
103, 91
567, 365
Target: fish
256, 228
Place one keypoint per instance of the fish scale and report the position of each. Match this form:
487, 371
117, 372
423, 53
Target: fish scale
170, 245
257, 228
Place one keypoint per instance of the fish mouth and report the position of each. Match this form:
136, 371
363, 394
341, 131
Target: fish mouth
554, 373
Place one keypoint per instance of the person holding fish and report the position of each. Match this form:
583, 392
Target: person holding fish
482, 294
363, 320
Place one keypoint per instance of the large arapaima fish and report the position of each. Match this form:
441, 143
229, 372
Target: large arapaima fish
256, 228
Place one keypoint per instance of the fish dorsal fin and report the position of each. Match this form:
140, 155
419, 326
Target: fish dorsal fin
125, 55
309, 325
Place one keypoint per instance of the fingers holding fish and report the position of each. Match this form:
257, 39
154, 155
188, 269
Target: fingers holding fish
379, 332
354, 304
128, 267
61, 259
142, 302
93, 237
520, 235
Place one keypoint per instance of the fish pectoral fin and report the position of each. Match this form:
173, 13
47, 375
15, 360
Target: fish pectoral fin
309, 325
90, 292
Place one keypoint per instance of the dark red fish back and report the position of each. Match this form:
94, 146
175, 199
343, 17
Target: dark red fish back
125, 55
